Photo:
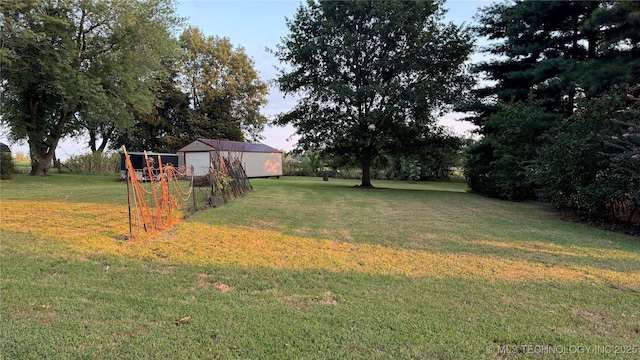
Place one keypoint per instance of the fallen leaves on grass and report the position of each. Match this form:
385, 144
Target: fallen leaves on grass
328, 298
183, 320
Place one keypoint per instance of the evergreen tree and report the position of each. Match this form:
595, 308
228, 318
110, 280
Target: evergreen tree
549, 54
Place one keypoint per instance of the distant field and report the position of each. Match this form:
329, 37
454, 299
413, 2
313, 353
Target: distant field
306, 269
22, 166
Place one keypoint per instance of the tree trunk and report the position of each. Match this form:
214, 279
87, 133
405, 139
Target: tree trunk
92, 140
43, 141
43, 148
366, 173
105, 136
41, 157
103, 145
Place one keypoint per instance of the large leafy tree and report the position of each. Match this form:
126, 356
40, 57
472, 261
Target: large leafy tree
167, 127
224, 88
371, 75
212, 91
68, 62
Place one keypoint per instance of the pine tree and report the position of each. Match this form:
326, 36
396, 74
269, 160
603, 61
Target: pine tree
549, 55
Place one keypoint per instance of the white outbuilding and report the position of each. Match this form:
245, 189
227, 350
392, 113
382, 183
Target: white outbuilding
258, 160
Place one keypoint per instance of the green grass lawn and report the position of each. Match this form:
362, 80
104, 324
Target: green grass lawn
306, 269
22, 166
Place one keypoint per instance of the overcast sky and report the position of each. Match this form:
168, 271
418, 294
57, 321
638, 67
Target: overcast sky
257, 25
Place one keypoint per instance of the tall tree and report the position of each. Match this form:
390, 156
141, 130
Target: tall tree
534, 43
68, 61
167, 127
225, 90
372, 75
544, 55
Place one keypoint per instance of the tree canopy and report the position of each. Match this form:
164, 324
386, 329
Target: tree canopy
212, 91
223, 85
166, 127
371, 75
67, 62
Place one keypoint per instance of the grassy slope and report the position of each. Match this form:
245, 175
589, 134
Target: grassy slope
57, 300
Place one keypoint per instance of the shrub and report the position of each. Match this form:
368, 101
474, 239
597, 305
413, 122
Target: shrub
593, 166
6, 165
94, 163
292, 166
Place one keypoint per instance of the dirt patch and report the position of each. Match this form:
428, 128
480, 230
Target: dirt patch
591, 316
303, 302
205, 282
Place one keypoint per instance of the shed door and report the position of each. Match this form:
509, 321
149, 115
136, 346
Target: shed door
199, 161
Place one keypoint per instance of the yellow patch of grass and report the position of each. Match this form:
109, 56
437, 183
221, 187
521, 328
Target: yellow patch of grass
91, 228
248, 247
573, 250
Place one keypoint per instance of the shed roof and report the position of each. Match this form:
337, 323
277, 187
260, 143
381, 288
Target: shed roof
149, 153
226, 145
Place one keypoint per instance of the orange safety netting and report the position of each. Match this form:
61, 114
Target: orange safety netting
154, 205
